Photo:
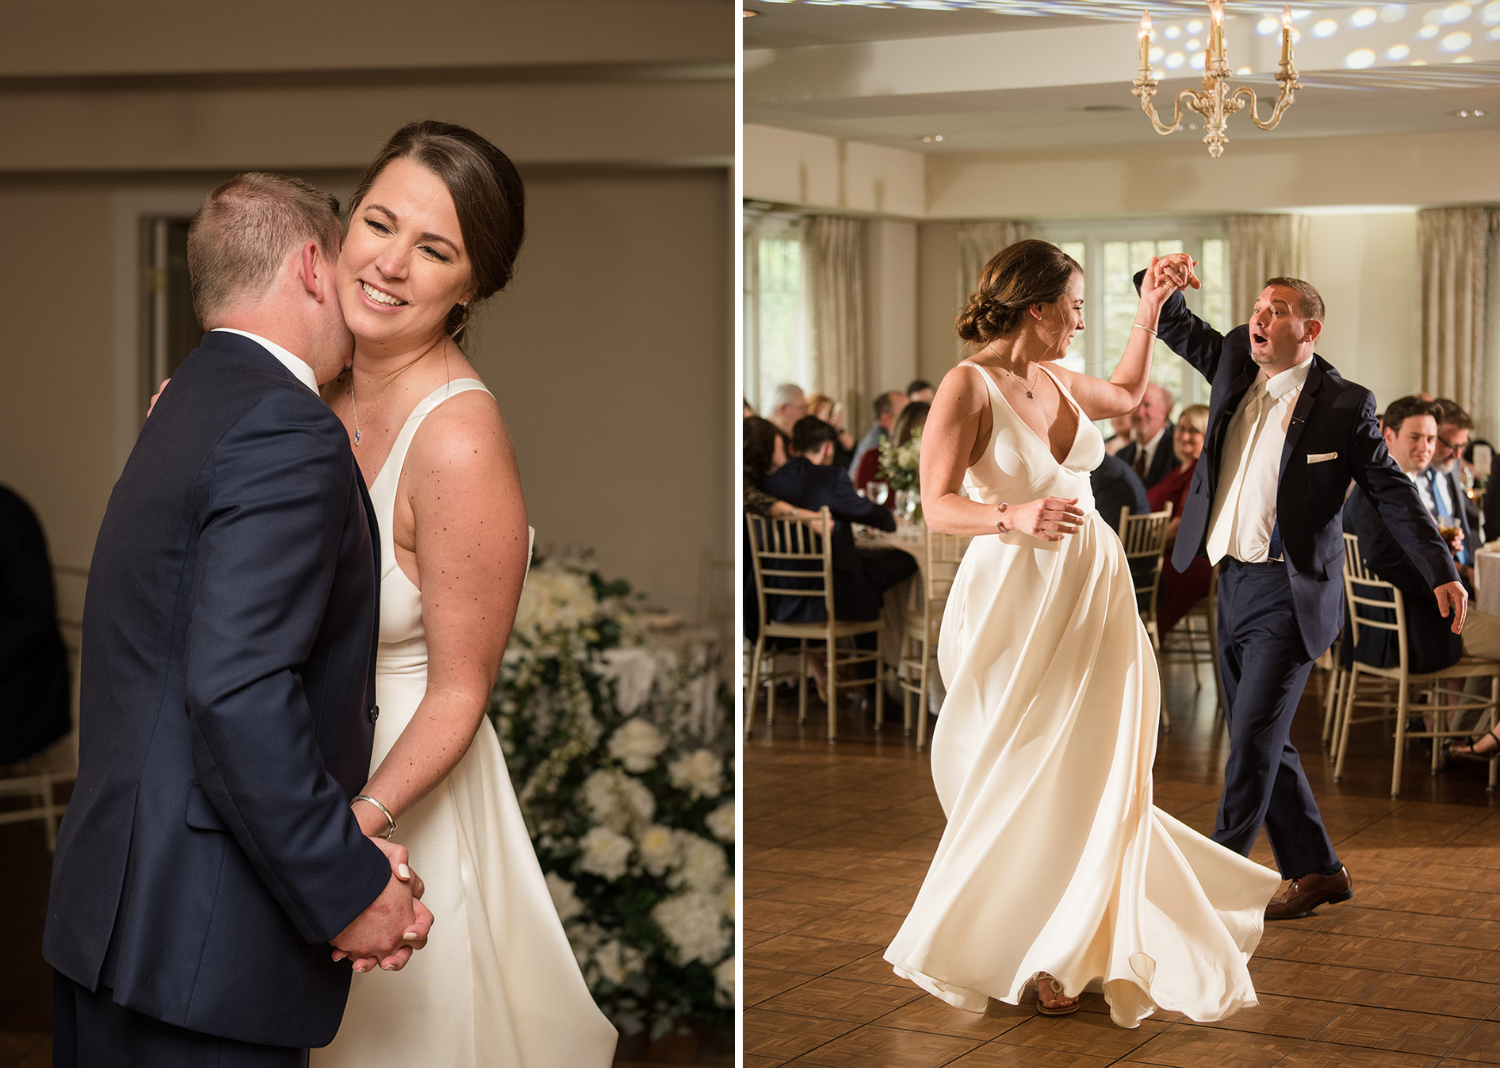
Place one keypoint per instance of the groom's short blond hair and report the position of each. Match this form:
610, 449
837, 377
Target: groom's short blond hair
245, 230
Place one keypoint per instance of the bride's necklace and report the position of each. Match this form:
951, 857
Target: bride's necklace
1027, 386
371, 410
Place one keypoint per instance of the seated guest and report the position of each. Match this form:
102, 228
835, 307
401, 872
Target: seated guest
1180, 590
919, 389
832, 413
1409, 426
763, 454
1453, 428
34, 702
788, 404
887, 406
1119, 434
910, 422
1149, 453
1115, 488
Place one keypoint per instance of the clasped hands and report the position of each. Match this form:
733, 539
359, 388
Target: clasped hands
1170, 272
393, 926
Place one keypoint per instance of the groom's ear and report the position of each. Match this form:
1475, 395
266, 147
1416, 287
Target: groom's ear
315, 271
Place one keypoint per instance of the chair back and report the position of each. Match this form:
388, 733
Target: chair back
791, 560
944, 553
1372, 601
1145, 539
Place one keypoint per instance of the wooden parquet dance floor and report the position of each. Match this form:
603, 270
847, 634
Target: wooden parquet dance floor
837, 839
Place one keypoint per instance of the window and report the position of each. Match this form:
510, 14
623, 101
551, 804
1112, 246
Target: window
775, 325
1111, 252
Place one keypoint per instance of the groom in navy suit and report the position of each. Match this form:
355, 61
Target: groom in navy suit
209, 855
1286, 435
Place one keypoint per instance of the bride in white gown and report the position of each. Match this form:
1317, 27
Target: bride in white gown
434, 225
1055, 867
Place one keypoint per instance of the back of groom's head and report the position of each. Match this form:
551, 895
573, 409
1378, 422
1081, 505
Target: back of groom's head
243, 233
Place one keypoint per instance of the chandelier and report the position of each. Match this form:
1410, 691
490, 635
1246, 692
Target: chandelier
1215, 101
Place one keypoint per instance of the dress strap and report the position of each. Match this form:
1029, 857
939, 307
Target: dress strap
397, 458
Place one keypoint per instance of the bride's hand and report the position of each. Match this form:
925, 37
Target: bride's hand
1047, 518
1169, 273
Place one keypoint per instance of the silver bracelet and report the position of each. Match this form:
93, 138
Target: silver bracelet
1148, 330
389, 819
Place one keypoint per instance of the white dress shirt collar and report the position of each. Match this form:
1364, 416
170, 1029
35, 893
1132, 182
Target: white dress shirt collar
1295, 377
303, 373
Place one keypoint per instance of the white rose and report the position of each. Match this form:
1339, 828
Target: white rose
636, 744
605, 852
611, 967
693, 922
724, 981
564, 900
700, 772
659, 849
616, 800
721, 822
637, 797
704, 865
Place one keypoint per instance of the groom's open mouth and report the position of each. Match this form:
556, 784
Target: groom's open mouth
380, 296
1258, 338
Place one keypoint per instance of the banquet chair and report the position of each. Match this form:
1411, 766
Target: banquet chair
35, 779
1195, 638
942, 553
792, 561
1145, 539
1378, 604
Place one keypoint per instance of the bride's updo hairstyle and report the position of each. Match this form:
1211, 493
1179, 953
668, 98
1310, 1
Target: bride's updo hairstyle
1018, 276
488, 197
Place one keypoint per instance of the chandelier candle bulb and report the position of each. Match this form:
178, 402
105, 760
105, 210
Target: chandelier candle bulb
1216, 36
1145, 36
1286, 34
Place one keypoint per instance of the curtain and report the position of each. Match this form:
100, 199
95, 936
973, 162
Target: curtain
834, 251
1453, 287
1261, 247
977, 242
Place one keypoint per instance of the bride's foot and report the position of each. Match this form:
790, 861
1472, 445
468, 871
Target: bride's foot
1486, 747
1049, 997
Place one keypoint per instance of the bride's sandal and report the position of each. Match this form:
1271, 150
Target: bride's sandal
1050, 1000
1472, 751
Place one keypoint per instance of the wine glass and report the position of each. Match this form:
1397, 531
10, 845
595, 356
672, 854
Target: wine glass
879, 492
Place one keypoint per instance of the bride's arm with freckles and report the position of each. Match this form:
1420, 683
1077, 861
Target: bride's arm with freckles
1123, 392
959, 422
471, 546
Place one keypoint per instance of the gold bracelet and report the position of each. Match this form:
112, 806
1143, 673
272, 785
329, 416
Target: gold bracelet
1000, 510
1148, 330
389, 819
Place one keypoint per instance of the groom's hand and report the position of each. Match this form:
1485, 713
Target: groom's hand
393, 925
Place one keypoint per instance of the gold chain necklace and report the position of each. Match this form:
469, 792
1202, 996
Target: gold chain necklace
355, 406
1028, 386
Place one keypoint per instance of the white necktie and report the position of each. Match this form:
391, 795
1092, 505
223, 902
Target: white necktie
1237, 450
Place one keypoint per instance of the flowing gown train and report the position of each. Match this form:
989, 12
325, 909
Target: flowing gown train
1054, 858
497, 985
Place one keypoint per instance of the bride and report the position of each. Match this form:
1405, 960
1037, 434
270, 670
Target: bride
1055, 868
434, 226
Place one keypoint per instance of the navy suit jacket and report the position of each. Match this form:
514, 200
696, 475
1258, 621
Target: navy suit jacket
1333, 437
227, 713
1164, 460
1431, 644
808, 485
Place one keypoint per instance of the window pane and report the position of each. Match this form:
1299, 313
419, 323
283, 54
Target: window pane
1076, 359
1214, 297
1121, 260
775, 350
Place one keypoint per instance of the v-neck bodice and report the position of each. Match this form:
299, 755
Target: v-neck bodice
1018, 464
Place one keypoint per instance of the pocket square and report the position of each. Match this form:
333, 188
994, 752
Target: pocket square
1319, 457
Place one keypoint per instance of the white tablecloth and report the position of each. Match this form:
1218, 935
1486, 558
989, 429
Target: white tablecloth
1487, 581
636, 668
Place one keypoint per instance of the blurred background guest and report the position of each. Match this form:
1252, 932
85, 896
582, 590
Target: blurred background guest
1149, 453
832, 413
33, 661
763, 454
788, 404
886, 407
1180, 590
1119, 434
919, 389
1454, 425
908, 423
1115, 487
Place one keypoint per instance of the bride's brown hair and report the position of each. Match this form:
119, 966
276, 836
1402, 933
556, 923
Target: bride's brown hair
1018, 276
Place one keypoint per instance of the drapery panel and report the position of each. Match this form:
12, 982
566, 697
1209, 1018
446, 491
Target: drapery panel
1261, 247
1453, 293
977, 242
834, 253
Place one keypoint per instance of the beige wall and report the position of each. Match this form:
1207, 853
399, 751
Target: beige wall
890, 309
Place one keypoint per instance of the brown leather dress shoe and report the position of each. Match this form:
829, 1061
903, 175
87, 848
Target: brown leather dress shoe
1308, 892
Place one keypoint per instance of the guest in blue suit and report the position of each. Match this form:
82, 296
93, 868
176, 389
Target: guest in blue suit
1286, 435
209, 855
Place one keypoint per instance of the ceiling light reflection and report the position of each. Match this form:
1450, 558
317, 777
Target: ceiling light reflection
1359, 59
1325, 28
1365, 16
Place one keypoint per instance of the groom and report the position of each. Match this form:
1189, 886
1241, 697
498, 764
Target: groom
209, 855
1286, 435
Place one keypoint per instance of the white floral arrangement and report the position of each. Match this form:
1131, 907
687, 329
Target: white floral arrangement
634, 825
901, 464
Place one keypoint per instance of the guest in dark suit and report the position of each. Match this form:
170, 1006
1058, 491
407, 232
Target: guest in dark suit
1116, 487
209, 855
1149, 454
1411, 431
860, 578
1454, 425
34, 710
1286, 434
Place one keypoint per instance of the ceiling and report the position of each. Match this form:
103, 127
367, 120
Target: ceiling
991, 76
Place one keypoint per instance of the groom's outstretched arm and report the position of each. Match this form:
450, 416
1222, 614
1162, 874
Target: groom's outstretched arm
275, 503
